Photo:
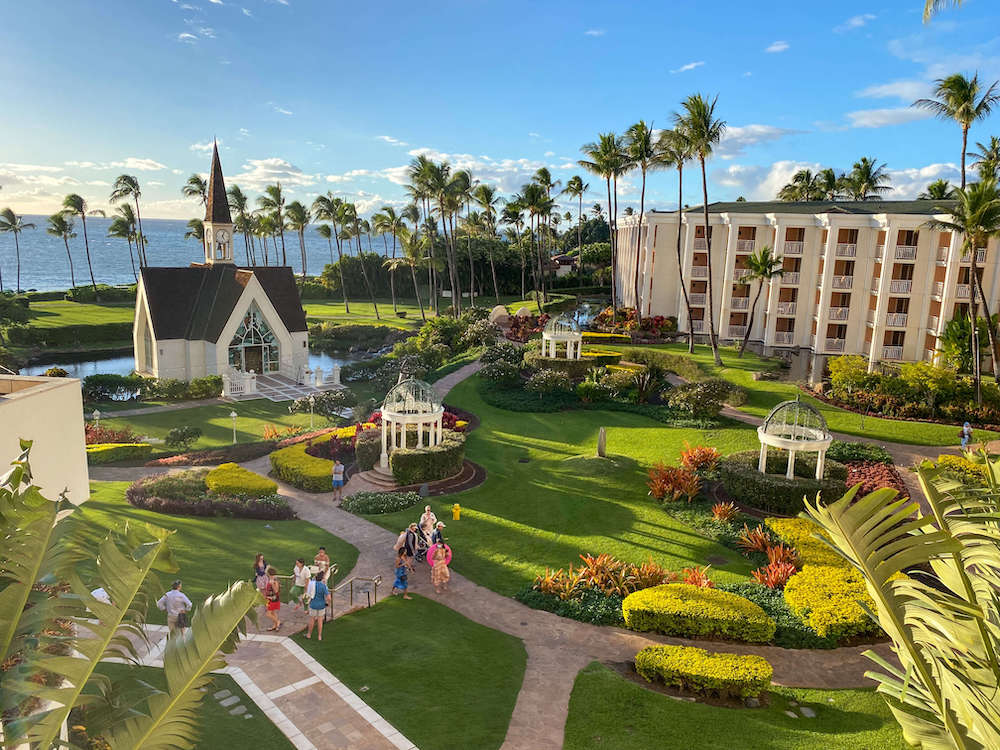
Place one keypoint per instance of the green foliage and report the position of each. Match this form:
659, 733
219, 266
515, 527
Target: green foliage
962, 469
328, 404
341, 337
790, 631
848, 372
831, 600
104, 292
294, 466
505, 351
368, 449
596, 254
70, 336
575, 369
698, 671
591, 605
679, 364
186, 493
209, 386
107, 453
500, 372
417, 465
703, 399
548, 383
845, 452
688, 611
372, 503
181, 438
773, 491
233, 479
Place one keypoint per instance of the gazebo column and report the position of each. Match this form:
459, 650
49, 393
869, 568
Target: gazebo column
440, 430
762, 463
820, 464
790, 474
420, 434
384, 458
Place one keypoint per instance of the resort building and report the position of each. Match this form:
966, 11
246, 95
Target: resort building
213, 318
859, 277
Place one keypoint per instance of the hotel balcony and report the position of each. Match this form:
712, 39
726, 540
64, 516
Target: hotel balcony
938, 289
697, 326
835, 345
929, 355
741, 275
697, 299
784, 338
699, 272
737, 332
980, 256
932, 322
740, 303
942, 255
892, 352
843, 282
745, 246
906, 252
700, 243
847, 250
896, 320
839, 313
786, 308
879, 253
963, 291
900, 286
876, 280
790, 278
793, 248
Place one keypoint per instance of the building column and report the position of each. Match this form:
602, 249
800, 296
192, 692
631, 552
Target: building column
882, 297
770, 322
820, 464
384, 456
687, 260
825, 288
420, 434
762, 463
726, 289
790, 473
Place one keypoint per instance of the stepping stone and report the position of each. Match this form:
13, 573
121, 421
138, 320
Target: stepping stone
243, 709
791, 714
808, 712
250, 716
226, 693
230, 701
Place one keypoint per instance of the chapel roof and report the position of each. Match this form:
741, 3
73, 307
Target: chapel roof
217, 204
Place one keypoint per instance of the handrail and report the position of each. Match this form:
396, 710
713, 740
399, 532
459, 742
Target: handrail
374, 580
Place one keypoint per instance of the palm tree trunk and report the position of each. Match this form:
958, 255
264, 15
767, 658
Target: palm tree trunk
534, 267
364, 273
523, 290
302, 249
281, 228
416, 293
753, 312
965, 145
86, 245
17, 254
990, 332
72, 278
614, 246
141, 241
680, 263
579, 225
131, 258
638, 249
708, 244
493, 271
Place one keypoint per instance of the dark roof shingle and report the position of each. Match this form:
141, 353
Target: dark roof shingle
217, 205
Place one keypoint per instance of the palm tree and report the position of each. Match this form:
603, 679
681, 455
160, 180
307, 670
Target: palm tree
931, 7
443, 190
704, 130
389, 222
597, 210
805, 186
961, 99
298, 219
126, 186
939, 190
604, 158
328, 208
575, 188
829, 184
413, 246
976, 216
462, 186
196, 187
266, 226
195, 231
353, 228
988, 158
867, 180
61, 225
240, 204
488, 199
677, 151
513, 217
274, 200
764, 266
123, 229
643, 152
11, 223
75, 205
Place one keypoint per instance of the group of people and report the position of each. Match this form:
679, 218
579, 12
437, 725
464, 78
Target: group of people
309, 590
422, 540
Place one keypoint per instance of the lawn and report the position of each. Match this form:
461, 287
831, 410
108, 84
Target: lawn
559, 504
439, 678
63, 313
364, 313
766, 394
214, 552
217, 728
610, 712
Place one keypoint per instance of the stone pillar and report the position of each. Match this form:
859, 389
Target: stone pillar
790, 474
420, 434
335, 380
762, 463
384, 458
820, 464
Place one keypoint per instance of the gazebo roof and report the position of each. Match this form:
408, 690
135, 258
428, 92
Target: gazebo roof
796, 420
412, 396
561, 325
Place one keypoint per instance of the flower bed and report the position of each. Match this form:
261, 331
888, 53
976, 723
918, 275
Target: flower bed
107, 453
213, 456
186, 493
962, 469
371, 503
95, 433
689, 611
873, 475
800, 534
790, 631
698, 671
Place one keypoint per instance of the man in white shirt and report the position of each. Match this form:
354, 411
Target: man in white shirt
173, 603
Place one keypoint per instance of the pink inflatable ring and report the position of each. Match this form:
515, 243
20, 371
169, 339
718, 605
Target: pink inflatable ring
430, 554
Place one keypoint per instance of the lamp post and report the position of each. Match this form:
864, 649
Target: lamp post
232, 416
312, 403
97, 417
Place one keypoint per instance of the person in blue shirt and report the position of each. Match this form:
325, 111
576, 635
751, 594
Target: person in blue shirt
402, 574
319, 600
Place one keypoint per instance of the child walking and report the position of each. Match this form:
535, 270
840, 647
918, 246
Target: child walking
440, 575
402, 574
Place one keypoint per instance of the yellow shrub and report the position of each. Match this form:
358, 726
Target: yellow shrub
699, 671
298, 468
233, 479
689, 611
962, 469
829, 600
798, 532
106, 453
343, 433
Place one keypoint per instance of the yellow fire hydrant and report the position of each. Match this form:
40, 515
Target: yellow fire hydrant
456, 512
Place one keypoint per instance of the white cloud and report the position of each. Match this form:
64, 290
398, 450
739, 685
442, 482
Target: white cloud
154, 183
177, 171
260, 172
348, 176
594, 32
909, 183
82, 164
281, 110
907, 90
141, 165
553, 153
855, 22
187, 38
755, 182
203, 148
98, 183
247, 12
688, 66
391, 141
779, 46
30, 167
880, 118
216, 2
207, 32
534, 135
738, 138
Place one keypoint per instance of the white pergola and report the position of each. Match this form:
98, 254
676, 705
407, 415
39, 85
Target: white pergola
410, 402
794, 426
562, 330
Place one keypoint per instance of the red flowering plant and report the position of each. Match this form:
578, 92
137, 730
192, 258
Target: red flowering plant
95, 433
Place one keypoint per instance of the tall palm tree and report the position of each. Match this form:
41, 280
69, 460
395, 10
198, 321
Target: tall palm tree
644, 153
125, 187
867, 180
976, 216
75, 205
413, 246
764, 266
353, 224
266, 226
462, 185
963, 100
274, 200
677, 151
988, 158
11, 223
488, 199
704, 130
938, 190
388, 221
438, 181
196, 187
298, 218
513, 217
604, 158
240, 204
123, 229
195, 231
829, 184
804, 186
329, 208
575, 188
61, 225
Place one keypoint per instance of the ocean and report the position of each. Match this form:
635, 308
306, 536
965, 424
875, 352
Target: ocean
44, 266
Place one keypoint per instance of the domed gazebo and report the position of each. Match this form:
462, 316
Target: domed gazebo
562, 329
794, 426
410, 402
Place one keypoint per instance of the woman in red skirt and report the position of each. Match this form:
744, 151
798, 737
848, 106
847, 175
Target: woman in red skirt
272, 593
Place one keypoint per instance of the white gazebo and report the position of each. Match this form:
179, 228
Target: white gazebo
410, 402
562, 330
794, 426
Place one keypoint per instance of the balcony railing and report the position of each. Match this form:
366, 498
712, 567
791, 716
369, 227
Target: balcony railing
892, 352
896, 320
906, 252
699, 272
900, 286
697, 299
929, 355
880, 252
835, 345
843, 282
784, 338
938, 288
942, 255
700, 243
847, 250
790, 278
740, 303
745, 246
963, 291
870, 320
932, 322
786, 308
980, 256
697, 325
793, 247
737, 332
839, 313
741, 275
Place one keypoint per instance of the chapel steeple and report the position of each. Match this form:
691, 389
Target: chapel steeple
218, 221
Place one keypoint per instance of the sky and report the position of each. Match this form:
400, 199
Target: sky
326, 95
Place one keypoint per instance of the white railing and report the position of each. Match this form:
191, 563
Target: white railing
843, 282
700, 243
785, 338
745, 246
697, 325
980, 256
932, 322
320, 379
699, 272
900, 286
938, 288
929, 354
879, 252
786, 308
737, 332
741, 275
896, 320
793, 248
847, 250
835, 345
790, 278
906, 252
870, 320
237, 383
697, 299
304, 375
892, 352
942, 255
963, 291
740, 303
839, 313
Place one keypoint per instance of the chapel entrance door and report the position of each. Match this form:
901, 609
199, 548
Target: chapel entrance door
253, 359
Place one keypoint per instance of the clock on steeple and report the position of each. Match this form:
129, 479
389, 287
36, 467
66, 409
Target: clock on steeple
218, 221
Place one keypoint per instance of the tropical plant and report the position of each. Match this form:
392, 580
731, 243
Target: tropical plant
240, 204
123, 226
298, 217
328, 208
939, 190
196, 187
75, 205
61, 225
125, 187
606, 158
274, 200
488, 199
804, 186
643, 150
764, 266
988, 159
676, 151
11, 223
351, 228
725, 512
575, 188
195, 230
867, 180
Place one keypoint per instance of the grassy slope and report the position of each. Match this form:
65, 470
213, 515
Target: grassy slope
62, 313
440, 679
546, 512
217, 728
765, 394
607, 711
214, 552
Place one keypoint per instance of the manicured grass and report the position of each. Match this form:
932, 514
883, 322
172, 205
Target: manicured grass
217, 729
546, 512
555, 301
63, 313
764, 395
214, 552
364, 313
607, 711
440, 679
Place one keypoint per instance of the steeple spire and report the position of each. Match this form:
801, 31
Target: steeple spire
217, 205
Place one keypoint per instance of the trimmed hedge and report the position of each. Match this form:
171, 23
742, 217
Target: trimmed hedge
576, 369
963, 470
368, 449
213, 456
417, 465
790, 631
829, 600
299, 469
592, 605
373, 503
233, 479
689, 611
107, 453
773, 491
698, 671
70, 335
801, 534
850, 452
679, 364
185, 494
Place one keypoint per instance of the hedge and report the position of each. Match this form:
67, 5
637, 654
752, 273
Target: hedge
233, 479
373, 503
107, 453
592, 605
418, 465
368, 449
790, 631
773, 491
185, 494
687, 611
698, 671
299, 469
829, 599
576, 369
70, 335
105, 293
800, 533
679, 364
962, 470
849, 452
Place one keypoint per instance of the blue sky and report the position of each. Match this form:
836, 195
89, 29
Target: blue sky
338, 96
